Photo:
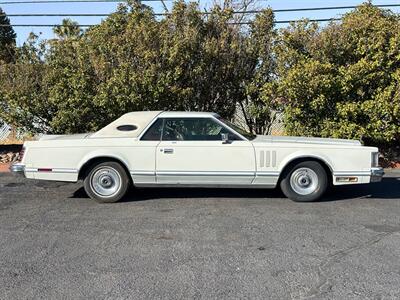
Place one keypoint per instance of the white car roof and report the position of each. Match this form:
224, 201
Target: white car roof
187, 114
141, 119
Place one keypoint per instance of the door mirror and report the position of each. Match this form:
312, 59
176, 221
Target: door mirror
225, 138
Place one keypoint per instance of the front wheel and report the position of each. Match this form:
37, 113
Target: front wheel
305, 182
106, 182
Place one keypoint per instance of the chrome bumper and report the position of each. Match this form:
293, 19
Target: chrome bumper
377, 174
18, 169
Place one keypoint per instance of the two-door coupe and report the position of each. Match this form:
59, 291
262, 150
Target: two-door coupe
158, 149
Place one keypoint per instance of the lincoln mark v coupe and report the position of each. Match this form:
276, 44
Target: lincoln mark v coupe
196, 149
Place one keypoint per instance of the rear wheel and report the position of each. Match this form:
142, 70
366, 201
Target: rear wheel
305, 182
106, 182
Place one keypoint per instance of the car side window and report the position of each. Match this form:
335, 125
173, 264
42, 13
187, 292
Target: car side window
154, 132
195, 129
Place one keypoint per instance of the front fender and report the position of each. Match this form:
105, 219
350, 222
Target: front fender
306, 154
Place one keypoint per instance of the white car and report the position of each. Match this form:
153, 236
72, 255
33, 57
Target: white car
197, 149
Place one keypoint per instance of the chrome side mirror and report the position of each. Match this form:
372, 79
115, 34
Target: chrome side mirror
225, 138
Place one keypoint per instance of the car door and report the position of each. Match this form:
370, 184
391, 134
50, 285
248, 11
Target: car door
192, 152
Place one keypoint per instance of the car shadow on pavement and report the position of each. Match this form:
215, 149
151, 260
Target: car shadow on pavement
389, 188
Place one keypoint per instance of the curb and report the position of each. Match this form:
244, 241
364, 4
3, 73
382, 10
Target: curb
392, 171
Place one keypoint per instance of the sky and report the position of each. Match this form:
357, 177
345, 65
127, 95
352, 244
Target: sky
104, 8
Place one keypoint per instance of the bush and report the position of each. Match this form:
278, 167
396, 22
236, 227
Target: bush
342, 80
131, 61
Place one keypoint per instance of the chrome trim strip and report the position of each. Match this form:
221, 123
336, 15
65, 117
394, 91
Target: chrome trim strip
143, 173
69, 171
268, 159
262, 159
56, 170
271, 173
202, 185
204, 173
352, 173
273, 164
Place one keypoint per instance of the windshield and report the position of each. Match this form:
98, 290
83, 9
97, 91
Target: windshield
245, 133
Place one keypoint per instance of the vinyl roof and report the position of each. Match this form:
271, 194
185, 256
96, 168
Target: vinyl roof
141, 119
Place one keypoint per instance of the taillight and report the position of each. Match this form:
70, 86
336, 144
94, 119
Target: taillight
21, 154
374, 159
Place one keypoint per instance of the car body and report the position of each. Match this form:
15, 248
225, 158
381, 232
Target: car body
156, 148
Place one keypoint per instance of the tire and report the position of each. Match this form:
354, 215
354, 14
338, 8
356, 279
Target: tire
106, 182
307, 181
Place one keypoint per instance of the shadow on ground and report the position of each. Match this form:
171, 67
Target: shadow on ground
389, 188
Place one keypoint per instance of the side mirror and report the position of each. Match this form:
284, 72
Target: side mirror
225, 138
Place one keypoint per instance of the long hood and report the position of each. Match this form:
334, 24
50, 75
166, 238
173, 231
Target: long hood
51, 137
305, 140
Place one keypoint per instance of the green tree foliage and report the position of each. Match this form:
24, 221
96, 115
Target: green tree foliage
342, 80
67, 29
7, 39
24, 90
339, 80
132, 61
257, 104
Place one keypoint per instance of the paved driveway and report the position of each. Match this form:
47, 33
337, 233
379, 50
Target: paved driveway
220, 244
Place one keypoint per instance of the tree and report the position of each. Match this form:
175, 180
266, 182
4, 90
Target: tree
256, 107
132, 61
24, 90
67, 29
342, 80
7, 39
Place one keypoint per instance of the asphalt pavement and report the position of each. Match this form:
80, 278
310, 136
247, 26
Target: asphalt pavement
198, 243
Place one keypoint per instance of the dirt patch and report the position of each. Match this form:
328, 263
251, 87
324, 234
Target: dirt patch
4, 168
390, 158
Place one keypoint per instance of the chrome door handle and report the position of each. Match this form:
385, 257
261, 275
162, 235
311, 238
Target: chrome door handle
168, 151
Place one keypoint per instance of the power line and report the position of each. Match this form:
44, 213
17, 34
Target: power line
67, 1
45, 25
292, 21
231, 23
165, 14
330, 8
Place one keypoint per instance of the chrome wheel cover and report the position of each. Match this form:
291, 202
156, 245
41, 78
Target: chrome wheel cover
304, 181
106, 182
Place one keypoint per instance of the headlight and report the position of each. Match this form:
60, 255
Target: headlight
374, 159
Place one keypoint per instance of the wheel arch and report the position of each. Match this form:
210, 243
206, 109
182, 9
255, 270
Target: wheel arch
295, 160
86, 166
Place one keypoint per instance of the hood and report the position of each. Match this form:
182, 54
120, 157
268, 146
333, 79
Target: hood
304, 140
50, 137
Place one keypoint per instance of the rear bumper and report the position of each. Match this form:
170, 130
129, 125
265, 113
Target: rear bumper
18, 169
377, 174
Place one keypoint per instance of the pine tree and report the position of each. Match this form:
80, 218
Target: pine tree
7, 39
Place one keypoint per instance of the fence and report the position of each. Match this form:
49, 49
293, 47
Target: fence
5, 131
277, 126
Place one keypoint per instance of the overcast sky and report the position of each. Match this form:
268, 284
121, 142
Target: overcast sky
104, 8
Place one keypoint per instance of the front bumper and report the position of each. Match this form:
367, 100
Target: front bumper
377, 174
18, 169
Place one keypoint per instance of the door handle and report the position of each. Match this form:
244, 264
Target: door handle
168, 151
